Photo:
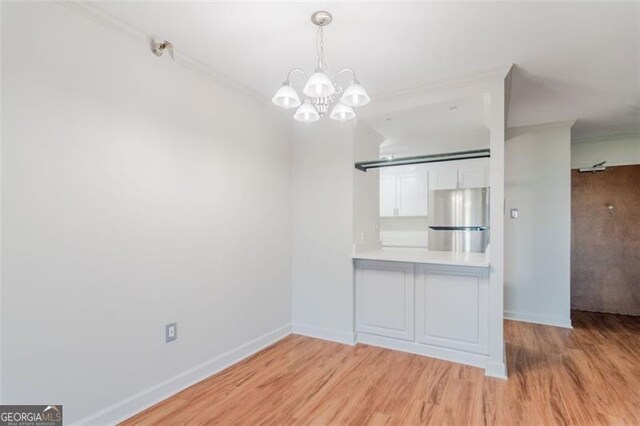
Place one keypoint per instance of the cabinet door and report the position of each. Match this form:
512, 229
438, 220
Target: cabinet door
444, 178
472, 176
387, 195
411, 195
384, 299
452, 308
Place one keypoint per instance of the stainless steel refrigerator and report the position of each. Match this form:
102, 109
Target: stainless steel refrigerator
459, 220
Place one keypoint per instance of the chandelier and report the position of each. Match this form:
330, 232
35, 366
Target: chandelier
320, 93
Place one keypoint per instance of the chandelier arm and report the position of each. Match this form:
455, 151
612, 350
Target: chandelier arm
353, 73
292, 71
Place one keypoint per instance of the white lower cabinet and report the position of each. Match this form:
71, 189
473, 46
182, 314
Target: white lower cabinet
429, 309
385, 299
452, 307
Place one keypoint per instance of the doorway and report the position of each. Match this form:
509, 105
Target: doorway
605, 240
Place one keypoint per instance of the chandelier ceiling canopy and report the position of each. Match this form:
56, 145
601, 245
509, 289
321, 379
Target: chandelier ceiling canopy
320, 93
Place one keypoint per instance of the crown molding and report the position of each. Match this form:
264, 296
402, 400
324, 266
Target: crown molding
607, 138
511, 131
551, 124
100, 16
476, 84
463, 81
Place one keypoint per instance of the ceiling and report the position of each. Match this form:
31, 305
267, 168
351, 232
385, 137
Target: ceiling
457, 125
574, 60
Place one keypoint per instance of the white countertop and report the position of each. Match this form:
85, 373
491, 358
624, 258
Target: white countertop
419, 255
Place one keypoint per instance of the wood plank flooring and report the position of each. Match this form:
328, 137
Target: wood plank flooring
586, 376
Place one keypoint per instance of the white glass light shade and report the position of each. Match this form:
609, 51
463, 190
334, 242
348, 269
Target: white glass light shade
306, 113
286, 97
342, 112
355, 95
319, 86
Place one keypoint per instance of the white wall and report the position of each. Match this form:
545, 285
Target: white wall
322, 191
366, 192
616, 151
538, 243
135, 193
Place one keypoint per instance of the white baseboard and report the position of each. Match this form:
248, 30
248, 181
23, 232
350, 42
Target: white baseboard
467, 358
538, 319
497, 369
345, 337
131, 406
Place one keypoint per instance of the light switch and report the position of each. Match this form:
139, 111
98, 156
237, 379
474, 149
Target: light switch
171, 332
514, 213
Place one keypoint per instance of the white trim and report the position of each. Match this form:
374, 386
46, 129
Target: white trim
100, 16
474, 85
516, 130
467, 358
462, 81
339, 336
133, 405
606, 138
538, 319
497, 370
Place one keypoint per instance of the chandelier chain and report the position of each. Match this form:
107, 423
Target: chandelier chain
320, 47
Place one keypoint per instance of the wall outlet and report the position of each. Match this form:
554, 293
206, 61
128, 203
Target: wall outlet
171, 332
514, 213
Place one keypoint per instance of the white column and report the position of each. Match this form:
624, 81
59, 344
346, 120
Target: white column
495, 103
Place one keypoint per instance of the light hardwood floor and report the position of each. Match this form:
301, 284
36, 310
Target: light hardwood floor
585, 376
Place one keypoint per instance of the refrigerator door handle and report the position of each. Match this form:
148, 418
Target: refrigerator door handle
459, 228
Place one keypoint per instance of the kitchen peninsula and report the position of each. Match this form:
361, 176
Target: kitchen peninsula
422, 255
428, 228
432, 303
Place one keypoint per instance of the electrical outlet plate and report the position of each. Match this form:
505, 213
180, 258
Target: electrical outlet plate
514, 213
171, 332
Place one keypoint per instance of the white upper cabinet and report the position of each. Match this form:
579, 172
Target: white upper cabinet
403, 191
387, 194
472, 176
412, 194
460, 174
444, 178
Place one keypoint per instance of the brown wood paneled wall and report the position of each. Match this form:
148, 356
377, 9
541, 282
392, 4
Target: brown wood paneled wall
605, 240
